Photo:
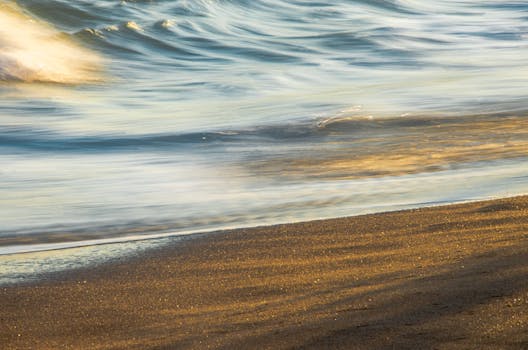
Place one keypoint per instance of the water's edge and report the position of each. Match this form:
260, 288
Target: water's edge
23, 268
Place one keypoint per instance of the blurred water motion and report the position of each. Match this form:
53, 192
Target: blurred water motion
137, 118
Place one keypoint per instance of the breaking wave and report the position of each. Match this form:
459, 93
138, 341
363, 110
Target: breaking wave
32, 51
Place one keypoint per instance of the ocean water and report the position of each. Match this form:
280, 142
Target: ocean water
121, 120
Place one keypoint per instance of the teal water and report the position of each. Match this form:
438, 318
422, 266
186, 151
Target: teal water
128, 119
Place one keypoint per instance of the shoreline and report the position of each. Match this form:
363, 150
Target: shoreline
18, 249
437, 277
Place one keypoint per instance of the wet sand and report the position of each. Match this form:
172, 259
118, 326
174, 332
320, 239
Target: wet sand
453, 277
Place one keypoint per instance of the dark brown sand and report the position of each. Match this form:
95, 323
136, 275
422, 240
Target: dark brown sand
453, 277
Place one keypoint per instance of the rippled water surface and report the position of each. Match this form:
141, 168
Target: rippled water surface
133, 118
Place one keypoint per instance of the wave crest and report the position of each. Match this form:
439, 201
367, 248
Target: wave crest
32, 51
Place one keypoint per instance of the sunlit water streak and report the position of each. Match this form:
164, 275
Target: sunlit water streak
138, 118
34, 52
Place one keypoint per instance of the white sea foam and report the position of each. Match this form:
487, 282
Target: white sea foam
33, 51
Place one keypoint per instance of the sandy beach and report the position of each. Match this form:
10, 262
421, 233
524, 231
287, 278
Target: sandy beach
452, 277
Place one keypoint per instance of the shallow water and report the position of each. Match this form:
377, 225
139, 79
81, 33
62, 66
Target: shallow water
136, 118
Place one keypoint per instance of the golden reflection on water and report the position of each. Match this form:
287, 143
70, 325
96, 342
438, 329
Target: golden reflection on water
417, 146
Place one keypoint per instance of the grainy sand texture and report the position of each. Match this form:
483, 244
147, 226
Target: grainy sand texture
452, 277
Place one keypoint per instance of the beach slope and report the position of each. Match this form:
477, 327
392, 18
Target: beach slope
451, 277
